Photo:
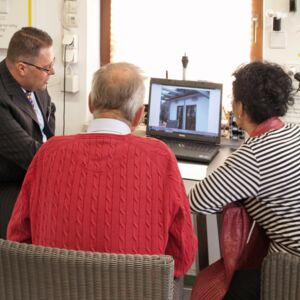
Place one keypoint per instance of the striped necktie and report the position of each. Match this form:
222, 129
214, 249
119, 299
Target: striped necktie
29, 98
39, 116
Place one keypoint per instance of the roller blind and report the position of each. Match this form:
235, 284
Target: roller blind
215, 35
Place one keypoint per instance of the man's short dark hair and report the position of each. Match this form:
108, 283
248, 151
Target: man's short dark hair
26, 43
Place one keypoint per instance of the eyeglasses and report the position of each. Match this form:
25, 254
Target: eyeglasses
44, 69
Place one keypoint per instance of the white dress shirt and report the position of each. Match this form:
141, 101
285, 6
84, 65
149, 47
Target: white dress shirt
107, 125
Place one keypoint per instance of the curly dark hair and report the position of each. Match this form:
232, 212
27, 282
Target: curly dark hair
264, 89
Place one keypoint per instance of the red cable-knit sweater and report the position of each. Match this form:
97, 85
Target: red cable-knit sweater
106, 193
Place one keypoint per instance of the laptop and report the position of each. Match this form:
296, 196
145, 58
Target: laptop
186, 115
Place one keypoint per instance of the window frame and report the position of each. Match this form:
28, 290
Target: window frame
256, 51
105, 20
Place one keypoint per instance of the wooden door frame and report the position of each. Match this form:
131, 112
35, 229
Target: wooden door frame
256, 52
105, 19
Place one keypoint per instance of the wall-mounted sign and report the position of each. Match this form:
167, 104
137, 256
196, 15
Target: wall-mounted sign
14, 14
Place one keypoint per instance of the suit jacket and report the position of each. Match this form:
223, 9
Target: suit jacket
20, 138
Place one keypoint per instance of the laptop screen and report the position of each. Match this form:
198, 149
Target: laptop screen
189, 110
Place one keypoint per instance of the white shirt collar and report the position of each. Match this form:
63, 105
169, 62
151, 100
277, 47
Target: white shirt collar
106, 125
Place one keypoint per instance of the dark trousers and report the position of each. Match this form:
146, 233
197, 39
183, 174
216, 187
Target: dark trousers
8, 196
245, 285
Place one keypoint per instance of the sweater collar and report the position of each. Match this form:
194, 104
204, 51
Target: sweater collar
270, 124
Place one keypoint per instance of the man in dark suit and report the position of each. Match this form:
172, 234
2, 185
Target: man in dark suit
26, 111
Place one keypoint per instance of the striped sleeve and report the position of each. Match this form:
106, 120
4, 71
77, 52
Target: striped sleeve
238, 178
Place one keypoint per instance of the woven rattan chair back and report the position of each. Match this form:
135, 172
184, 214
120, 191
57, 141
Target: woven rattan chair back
280, 278
29, 272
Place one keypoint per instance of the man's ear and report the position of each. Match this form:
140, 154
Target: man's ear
138, 117
21, 68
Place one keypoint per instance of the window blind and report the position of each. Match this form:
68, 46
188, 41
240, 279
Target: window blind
215, 35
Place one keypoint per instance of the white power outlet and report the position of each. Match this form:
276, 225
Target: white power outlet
72, 83
71, 20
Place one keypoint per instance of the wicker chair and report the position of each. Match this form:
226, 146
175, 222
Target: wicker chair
280, 278
34, 272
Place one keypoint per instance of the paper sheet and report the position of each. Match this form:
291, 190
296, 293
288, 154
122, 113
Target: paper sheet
192, 171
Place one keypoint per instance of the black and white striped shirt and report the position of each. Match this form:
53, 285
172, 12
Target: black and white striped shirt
265, 172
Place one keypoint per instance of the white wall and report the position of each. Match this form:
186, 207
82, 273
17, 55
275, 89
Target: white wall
47, 15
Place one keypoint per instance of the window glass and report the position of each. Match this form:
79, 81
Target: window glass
215, 35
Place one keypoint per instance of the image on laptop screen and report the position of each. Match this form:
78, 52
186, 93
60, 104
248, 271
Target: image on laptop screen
189, 110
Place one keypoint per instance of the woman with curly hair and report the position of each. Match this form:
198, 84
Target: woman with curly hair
264, 172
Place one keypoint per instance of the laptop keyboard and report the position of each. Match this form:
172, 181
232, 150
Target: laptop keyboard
193, 151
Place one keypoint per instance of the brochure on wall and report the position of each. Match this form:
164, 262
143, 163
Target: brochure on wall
14, 14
